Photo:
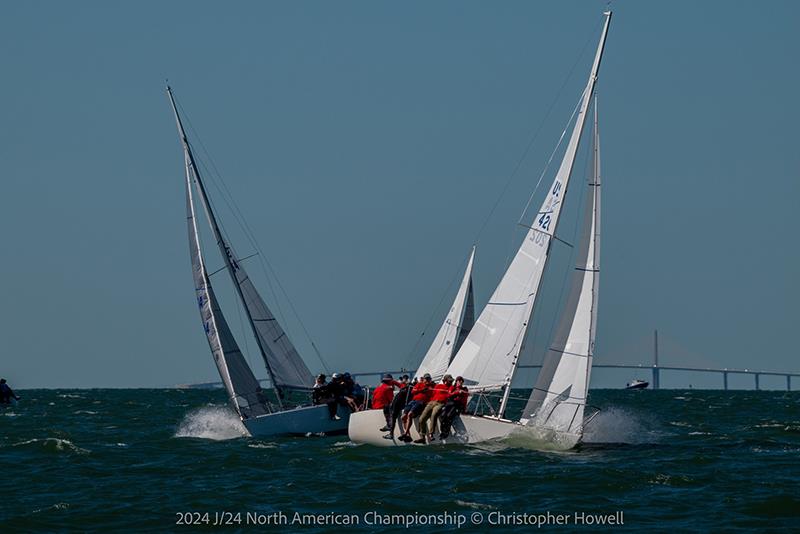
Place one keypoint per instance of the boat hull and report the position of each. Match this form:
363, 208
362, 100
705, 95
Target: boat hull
301, 421
364, 428
467, 429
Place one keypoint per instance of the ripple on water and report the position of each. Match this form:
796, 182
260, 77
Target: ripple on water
55, 445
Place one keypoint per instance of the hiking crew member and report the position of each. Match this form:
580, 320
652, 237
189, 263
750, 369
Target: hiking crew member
359, 395
382, 398
456, 404
320, 390
420, 396
398, 403
342, 391
439, 396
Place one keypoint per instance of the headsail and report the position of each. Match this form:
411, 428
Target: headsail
243, 389
558, 399
488, 357
454, 330
283, 363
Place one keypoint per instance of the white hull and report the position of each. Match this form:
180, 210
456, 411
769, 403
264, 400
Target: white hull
300, 421
364, 428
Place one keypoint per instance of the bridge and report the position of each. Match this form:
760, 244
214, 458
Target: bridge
655, 369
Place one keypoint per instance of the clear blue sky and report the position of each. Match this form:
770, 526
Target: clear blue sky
365, 143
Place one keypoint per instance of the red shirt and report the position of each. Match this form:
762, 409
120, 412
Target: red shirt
421, 392
382, 396
440, 393
460, 396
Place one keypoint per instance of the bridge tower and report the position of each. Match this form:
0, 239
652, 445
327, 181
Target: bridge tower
655, 362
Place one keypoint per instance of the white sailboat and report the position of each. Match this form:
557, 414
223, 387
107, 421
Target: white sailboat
286, 370
488, 356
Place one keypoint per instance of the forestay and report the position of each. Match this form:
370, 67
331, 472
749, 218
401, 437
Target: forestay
558, 399
488, 357
454, 330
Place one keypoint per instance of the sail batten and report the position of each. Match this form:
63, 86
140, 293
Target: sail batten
490, 353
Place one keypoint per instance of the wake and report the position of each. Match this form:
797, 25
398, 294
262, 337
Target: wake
616, 425
211, 422
610, 426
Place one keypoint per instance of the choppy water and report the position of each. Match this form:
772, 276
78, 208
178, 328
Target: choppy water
111, 459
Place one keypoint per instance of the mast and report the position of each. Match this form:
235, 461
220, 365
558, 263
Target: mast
595, 186
558, 399
551, 209
226, 251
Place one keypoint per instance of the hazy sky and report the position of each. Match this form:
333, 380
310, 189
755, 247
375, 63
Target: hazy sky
365, 143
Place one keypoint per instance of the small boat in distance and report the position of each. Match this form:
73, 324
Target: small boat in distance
637, 384
288, 411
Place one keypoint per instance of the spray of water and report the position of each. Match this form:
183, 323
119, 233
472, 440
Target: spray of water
211, 422
540, 439
612, 425
616, 425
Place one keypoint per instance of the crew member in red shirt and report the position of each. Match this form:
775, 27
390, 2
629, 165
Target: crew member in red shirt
431, 412
456, 404
382, 398
420, 396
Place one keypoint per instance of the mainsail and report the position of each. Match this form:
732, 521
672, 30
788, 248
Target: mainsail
488, 357
454, 330
284, 365
558, 399
243, 389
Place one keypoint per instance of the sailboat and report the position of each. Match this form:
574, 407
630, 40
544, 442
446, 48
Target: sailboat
286, 370
488, 357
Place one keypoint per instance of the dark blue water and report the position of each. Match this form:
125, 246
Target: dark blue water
133, 459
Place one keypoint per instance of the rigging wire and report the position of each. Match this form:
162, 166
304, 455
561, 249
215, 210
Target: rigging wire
514, 172
535, 136
570, 260
222, 187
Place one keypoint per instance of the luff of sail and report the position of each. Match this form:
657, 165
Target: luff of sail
453, 331
243, 388
558, 399
489, 355
283, 363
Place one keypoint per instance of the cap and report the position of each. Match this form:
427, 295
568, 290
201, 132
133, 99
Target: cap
426, 375
387, 376
447, 378
404, 377
335, 375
